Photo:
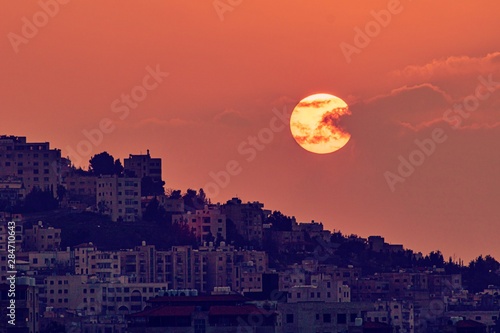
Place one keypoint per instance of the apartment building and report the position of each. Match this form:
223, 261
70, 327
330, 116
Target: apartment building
81, 185
11, 190
46, 260
104, 265
143, 166
42, 238
139, 264
247, 218
207, 224
35, 163
203, 269
398, 314
119, 197
89, 296
320, 316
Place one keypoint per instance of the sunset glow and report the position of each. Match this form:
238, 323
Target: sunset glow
315, 123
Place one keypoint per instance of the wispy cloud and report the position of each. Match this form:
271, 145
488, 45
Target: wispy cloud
451, 66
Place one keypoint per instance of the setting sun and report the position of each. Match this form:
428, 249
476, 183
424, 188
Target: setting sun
315, 123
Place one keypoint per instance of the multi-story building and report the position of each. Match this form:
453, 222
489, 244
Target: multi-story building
247, 218
48, 260
398, 314
73, 292
104, 265
81, 185
139, 264
143, 166
42, 238
33, 162
11, 190
399, 283
320, 316
324, 291
248, 278
89, 296
183, 268
126, 297
26, 308
119, 197
207, 224
203, 269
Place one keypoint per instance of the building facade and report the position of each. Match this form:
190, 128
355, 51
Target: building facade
143, 166
119, 197
35, 163
207, 224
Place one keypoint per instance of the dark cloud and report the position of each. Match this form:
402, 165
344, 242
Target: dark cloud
314, 104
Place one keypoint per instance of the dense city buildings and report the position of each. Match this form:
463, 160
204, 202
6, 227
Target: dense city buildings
232, 267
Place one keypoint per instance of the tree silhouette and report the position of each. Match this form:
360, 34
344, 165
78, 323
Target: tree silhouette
39, 201
175, 194
104, 164
150, 187
279, 221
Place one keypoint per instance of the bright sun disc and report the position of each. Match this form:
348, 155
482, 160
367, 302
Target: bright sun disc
315, 123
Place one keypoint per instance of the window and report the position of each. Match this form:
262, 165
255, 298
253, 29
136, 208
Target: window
289, 318
341, 318
327, 318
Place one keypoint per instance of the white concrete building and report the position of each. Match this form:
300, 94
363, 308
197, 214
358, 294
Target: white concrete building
119, 197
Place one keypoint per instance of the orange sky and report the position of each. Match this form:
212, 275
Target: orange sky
226, 76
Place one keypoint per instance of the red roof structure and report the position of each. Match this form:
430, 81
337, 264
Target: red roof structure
166, 311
